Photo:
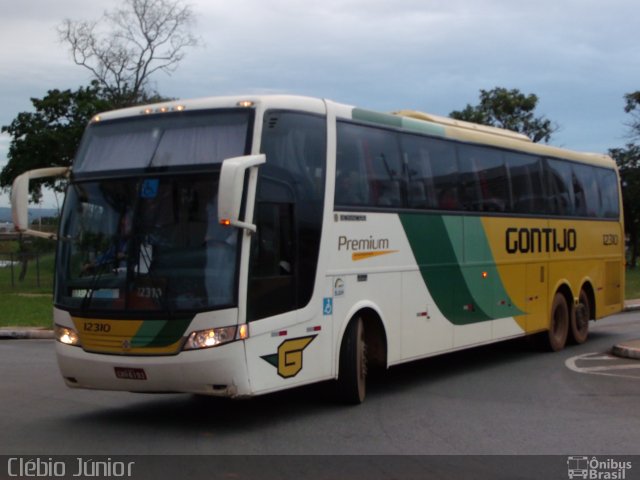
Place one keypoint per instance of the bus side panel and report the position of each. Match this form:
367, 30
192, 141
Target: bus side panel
585, 252
519, 250
555, 253
424, 329
463, 281
536, 298
380, 292
290, 350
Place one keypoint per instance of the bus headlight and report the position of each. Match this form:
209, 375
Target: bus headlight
214, 337
65, 335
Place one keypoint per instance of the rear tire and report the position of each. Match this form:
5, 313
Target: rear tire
580, 319
556, 337
353, 364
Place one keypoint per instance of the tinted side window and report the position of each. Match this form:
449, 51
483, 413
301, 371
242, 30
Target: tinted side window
368, 168
288, 215
559, 178
483, 179
585, 191
608, 183
432, 173
527, 187
296, 144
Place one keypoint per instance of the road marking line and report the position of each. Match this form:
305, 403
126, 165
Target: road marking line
570, 363
603, 357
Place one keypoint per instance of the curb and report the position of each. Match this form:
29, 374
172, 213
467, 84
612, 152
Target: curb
25, 334
628, 349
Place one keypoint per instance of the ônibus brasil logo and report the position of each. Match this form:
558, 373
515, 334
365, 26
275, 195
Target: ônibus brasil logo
593, 468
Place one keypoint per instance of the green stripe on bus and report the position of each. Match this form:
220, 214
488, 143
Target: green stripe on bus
160, 333
481, 273
410, 124
465, 292
376, 117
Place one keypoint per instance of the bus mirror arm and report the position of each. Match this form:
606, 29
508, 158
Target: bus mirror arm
231, 190
20, 198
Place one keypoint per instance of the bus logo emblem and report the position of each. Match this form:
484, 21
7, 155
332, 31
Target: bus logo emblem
288, 360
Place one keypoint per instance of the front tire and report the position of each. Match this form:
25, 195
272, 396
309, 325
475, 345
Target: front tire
352, 372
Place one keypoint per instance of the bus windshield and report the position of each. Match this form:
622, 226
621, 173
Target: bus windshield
139, 231
146, 244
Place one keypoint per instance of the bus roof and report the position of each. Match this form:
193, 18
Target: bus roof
426, 123
462, 124
409, 120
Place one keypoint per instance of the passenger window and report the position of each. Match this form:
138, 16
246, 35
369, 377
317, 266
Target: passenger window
483, 179
585, 191
608, 182
432, 172
527, 189
368, 170
561, 193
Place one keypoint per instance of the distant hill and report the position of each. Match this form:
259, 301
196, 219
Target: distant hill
34, 213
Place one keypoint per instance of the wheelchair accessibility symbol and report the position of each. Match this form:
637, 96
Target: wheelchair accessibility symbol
149, 188
327, 306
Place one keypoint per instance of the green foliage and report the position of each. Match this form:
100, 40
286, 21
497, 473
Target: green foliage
509, 109
628, 160
50, 136
633, 107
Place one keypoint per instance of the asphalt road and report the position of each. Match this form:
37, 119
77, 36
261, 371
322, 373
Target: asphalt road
502, 399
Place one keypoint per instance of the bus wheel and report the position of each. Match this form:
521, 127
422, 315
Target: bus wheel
580, 319
559, 326
353, 364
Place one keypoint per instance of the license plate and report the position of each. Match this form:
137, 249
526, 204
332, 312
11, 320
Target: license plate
130, 373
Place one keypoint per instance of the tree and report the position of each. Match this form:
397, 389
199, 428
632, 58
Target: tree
127, 45
510, 109
122, 50
633, 107
50, 136
628, 160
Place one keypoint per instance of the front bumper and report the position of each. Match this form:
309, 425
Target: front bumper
219, 371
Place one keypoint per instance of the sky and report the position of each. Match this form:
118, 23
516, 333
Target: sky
578, 56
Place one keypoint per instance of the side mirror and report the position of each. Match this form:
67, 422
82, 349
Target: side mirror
231, 189
20, 198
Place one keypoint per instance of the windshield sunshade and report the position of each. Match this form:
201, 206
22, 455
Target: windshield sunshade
176, 139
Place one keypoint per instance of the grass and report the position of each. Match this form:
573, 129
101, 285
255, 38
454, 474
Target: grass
27, 303
632, 284
26, 310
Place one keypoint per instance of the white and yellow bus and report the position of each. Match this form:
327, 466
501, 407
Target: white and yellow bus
241, 246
